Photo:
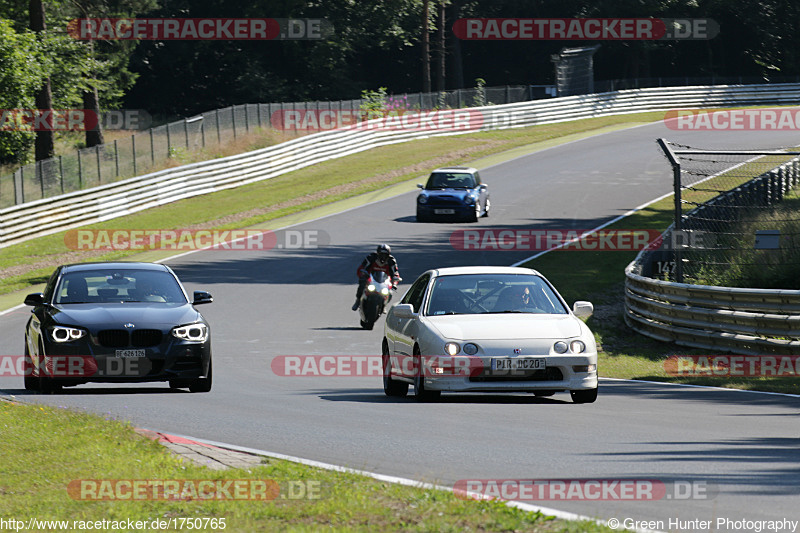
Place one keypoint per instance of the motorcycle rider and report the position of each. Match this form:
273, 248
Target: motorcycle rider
380, 260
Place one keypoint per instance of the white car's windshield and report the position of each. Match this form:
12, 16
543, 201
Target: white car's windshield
123, 285
467, 294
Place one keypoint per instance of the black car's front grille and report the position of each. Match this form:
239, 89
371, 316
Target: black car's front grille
113, 338
142, 338
120, 338
548, 374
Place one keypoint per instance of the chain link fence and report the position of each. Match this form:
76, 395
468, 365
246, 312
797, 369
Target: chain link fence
737, 219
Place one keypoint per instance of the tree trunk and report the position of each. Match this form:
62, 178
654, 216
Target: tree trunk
426, 50
440, 70
45, 140
91, 103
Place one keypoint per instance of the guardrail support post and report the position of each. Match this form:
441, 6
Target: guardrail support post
676, 184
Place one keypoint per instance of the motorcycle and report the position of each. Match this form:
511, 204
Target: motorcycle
377, 293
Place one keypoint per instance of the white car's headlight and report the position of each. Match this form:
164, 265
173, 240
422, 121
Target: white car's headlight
577, 346
451, 348
65, 334
192, 332
560, 347
470, 349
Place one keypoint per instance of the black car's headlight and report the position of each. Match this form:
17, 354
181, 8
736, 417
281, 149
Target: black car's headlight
66, 334
192, 332
422, 199
469, 200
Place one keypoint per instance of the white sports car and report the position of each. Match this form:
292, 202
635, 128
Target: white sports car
488, 329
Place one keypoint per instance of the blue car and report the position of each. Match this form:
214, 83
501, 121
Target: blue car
453, 193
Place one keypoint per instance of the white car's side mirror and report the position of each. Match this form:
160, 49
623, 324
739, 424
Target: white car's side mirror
404, 311
582, 309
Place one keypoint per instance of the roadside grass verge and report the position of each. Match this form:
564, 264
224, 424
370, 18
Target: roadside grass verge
30, 263
623, 353
82, 446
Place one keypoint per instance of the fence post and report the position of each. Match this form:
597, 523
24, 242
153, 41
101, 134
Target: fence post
61, 173
97, 154
80, 171
246, 119
216, 117
133, 149
116, 158
22, 183
233, 119
37, 169
186, 132
169, 142
152, 149
258, 114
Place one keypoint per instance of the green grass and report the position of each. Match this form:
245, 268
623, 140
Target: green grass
43, 449
622, 353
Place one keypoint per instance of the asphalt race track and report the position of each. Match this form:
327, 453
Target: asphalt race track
740, 448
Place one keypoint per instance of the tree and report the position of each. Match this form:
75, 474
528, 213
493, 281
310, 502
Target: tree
45, 138
22, 73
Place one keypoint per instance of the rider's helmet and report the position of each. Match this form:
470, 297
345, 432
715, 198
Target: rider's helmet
384, 251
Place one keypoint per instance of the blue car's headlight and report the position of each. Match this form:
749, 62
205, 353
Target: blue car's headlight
422, 199
469, 199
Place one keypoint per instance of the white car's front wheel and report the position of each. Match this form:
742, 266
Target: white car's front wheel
421, 394
584, 396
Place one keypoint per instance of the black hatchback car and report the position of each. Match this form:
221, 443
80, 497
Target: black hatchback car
116, 323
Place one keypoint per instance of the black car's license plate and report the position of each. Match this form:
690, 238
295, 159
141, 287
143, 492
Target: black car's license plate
444, 211
518, 363
130, 353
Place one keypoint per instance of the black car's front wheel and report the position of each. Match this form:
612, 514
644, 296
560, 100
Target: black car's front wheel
202, 384
31, 383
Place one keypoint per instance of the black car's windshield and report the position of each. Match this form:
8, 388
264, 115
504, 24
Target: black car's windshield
120, 285
448, 180
469, 294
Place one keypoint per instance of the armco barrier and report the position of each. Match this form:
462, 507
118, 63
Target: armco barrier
43, 217
738, 320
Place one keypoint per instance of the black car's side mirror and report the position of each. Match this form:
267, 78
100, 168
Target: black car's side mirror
420, 186
37, 298
202, 297
483, 186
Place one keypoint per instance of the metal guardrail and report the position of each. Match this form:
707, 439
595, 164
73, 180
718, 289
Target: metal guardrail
738, 320
42, 217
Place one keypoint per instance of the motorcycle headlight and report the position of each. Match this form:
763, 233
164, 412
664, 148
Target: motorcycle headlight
422, 199
371, 287
384, 291
192, 332
65, 334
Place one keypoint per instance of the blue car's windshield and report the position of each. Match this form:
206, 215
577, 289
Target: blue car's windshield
119, 285
448, 180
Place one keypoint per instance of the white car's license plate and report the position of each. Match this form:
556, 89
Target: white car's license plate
518, 363
130, 353
444, 211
